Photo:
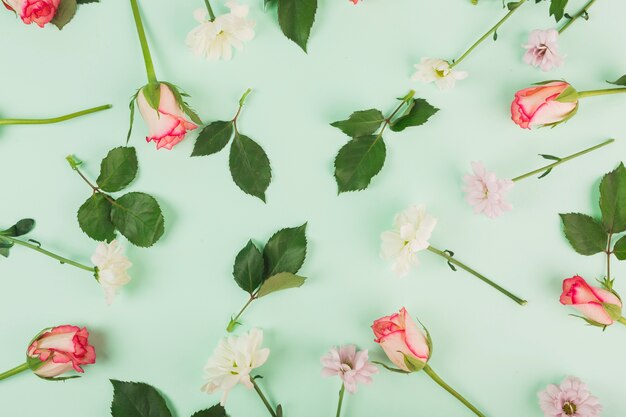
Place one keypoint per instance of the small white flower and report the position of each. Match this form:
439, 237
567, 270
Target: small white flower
232, 362
112, 264
215, 39
438, 71
412, 230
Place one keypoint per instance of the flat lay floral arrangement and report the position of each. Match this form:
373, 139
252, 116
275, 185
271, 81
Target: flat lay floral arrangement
259, 206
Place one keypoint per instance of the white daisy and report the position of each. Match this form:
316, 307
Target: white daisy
438, 71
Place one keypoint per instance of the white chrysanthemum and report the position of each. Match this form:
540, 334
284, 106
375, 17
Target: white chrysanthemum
413, 228
232, 362
215, 39
112, 265
438, 71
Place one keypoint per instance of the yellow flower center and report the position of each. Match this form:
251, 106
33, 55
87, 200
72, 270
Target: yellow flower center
569, 408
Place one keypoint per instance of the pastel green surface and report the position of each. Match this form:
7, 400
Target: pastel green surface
165, 324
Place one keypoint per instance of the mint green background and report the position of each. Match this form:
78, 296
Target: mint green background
166, 323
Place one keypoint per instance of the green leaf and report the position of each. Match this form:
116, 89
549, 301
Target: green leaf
279, 282
584, 233
413, 364
418, 113
514, 5
20, 228
5, 252
557, 8
614, 311
296, 18
152, 94
620, 81
569, 95
620, 248
118, 169
550, 157
216, 411
249, 268
358, 162
138, 217
285, 251
178, 96
249, 166
613, 200
65, 13
361, 123
131, 107
213, 138
94, 218
5, 243
134, 399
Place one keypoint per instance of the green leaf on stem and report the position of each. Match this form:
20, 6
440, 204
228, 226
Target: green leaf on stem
417, 114
4, 252
557, 8
131, 107
620, 81
5, 247
139, 218
186, 108
296, 19
134, 399
361, 123
20, 228
584, 233
358, 162
94, 218
249, 268
249, 166
514, 5
65, 12
216, 411
620, 248
550, 157
279, 282
414, 365
285, 251
152, 93
213, 138
613, 200
118, 169
569, 95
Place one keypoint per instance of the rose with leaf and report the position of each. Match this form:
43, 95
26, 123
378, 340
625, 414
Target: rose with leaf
42, 12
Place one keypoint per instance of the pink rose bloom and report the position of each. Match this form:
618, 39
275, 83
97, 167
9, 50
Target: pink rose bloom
60, 350
167, 126
537, 106
349, 365
399, 337
542, 50
570, 399
485, 192
40, 12
593, 303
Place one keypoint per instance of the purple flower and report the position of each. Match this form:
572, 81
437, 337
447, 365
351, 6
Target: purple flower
351, 366
542, 49
485, 192
570, 399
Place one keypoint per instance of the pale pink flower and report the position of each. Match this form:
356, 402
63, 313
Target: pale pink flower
570, 399
485, 192
349, 365
542, 50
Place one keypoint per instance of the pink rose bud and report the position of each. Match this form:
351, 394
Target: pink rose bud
40, 12
599, 306
167, 126
60, 349
538, 106
403, 342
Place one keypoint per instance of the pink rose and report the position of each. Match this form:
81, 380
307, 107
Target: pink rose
400, 338
167, 126
596, 304
59, 350
537, 106
38, 11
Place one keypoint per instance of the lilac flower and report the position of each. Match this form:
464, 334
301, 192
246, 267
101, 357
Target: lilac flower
485, 192
351, 366
570, 399
542, 49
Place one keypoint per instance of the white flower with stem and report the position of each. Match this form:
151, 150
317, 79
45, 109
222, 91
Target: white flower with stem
111, 268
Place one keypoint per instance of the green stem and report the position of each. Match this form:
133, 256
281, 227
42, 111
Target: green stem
448, 388
486, 35
234, 322
563, 160
603, 92
622, 320
50, 254
210, 9
478, 275
405, 100
23, 367
341, 392
608, 257
53, 119
577, 15
267, 403
145, 49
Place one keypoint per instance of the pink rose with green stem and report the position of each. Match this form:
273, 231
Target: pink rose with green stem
599, 306
409, 349
55, 352
161, 104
